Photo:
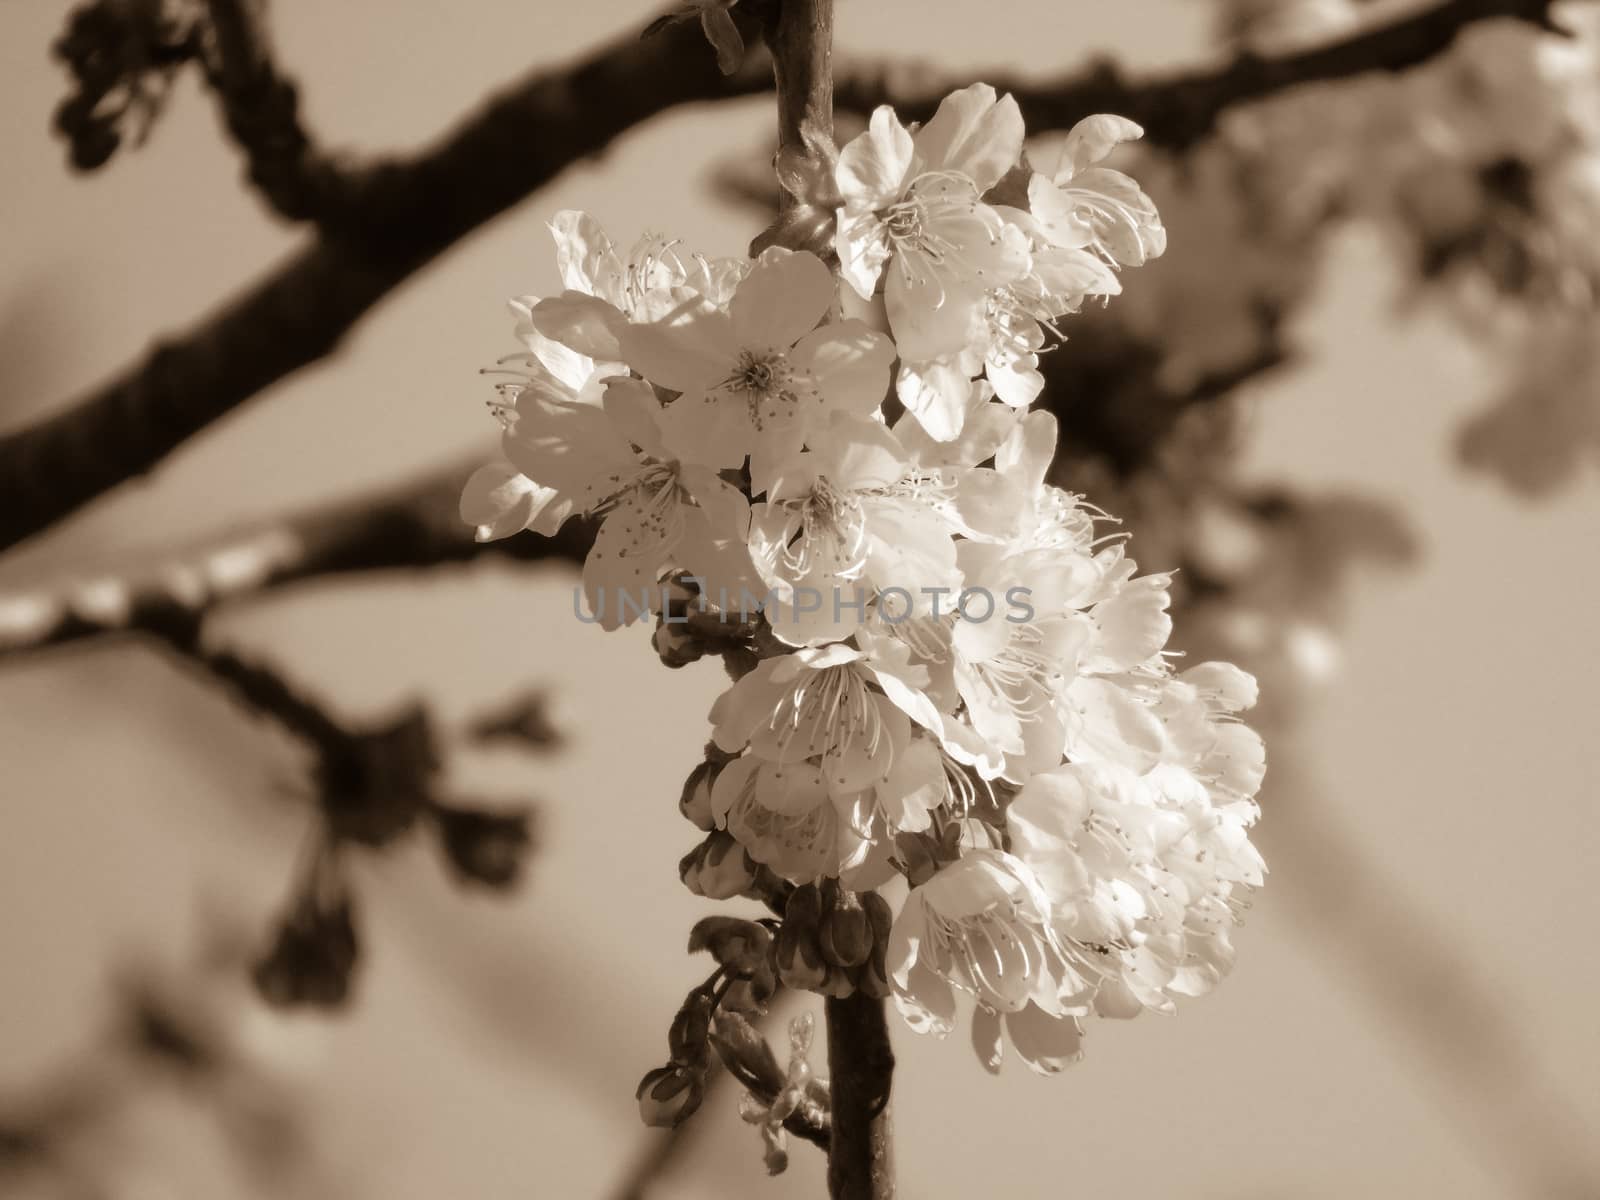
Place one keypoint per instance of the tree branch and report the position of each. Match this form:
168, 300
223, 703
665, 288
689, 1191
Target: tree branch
800, 34
260, 107
1179, 109
412, 527
860, 1070
399, 217
402, 214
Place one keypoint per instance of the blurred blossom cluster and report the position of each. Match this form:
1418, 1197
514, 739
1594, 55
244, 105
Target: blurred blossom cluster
1483, 169
1070, 810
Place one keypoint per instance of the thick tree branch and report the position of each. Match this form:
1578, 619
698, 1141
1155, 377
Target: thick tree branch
260, 107
401, 215
413, 527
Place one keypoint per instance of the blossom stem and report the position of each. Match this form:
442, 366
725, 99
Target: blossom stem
860, 1068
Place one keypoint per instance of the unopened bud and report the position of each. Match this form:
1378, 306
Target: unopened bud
695, 800
676, 646
846, 938
669, 1095
718, 868
313, 958
483, 846
686, 1040
798, 956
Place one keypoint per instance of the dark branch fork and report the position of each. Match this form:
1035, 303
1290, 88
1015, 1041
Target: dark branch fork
379, 224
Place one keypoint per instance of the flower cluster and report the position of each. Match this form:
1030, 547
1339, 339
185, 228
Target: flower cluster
961, 681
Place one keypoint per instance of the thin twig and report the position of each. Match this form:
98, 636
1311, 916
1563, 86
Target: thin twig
407, 212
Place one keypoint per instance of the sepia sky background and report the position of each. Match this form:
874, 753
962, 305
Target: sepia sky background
496, 1043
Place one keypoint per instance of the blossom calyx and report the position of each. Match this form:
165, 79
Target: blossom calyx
718, 868
845, 936
798, 954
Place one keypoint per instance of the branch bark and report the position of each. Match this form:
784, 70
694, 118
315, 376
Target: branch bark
860, 1070
400, 215
800, 36
261, 109
1179, 109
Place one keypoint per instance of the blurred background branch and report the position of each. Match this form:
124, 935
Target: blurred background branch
415, 526
405, 212
261, 109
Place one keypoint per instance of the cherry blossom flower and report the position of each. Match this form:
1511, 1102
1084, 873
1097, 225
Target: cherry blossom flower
605, 291
912, 203
608, 459
757, 377
953, 676
1089, 207
850, 710
500, 500
849, 516
983, 925
787, 817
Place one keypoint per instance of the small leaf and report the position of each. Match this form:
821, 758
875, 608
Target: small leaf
737, 944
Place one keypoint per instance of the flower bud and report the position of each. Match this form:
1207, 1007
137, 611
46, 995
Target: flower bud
313, 958
695, 800
676, 646
846, 938
686, 1040
718, 868
799, 958
669, 1095
483, 846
